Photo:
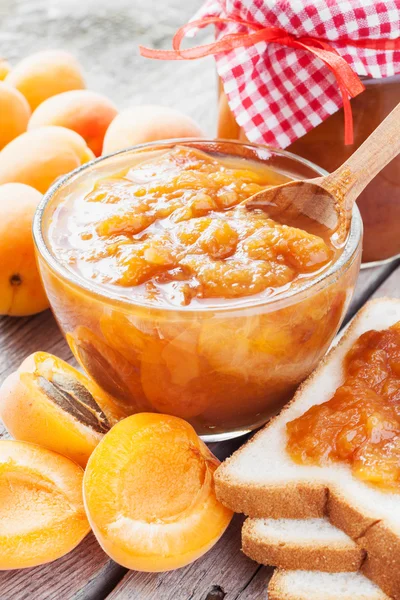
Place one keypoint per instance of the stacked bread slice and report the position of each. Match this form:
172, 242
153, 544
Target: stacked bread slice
262, 481
316, 585
306, 544
315, 560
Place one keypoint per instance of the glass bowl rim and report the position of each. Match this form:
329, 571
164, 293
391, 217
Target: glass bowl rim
312, 285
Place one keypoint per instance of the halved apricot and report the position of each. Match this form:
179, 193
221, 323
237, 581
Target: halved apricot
50, 403
149, 494
42, 516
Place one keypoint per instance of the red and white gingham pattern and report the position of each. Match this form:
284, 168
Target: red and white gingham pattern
278, 93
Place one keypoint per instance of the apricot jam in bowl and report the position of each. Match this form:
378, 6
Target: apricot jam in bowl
176, 298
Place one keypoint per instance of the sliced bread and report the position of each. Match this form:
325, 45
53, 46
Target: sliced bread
315, 585
261, 480
312, 544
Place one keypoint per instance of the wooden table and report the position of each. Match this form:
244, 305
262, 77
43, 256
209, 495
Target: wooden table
104, 36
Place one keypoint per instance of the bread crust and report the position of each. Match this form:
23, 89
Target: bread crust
387, 578
343, 515
292, 501
330, 558
300, 500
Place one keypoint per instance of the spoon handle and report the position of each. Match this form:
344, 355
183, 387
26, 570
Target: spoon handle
349, 180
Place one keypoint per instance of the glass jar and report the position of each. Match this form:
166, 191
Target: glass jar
379, 203
226, 369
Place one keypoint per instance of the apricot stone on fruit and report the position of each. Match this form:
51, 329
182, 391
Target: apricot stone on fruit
21, 290
148, 123
50, 403
14, 113
45, 74
83, 111
38, 157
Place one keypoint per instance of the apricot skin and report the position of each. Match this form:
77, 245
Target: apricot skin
14, 113
45, 74
5, 68
149, 494
148, 123
30, 416
41, 508
21, 290
37, 158
83, 111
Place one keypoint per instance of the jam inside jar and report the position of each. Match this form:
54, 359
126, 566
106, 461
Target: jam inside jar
175, 230
379, 203
360, 425
160, 330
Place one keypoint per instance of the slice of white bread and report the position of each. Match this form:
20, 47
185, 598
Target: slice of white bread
261, 480
315, 585
311, 544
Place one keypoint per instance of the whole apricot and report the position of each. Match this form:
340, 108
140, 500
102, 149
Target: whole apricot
45, 74
50, 403
149, 494
14, 113
148, 123
41, 508
38, 157
21, 290
5, 68
83, 111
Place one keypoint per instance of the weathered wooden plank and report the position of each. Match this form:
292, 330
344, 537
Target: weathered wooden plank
21, 337
84, 574
389, 287
223, 572
368, 282
257, 587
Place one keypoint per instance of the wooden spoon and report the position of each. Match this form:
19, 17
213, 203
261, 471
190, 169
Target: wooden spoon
323, 205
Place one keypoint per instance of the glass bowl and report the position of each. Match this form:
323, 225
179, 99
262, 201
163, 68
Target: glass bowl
226, 369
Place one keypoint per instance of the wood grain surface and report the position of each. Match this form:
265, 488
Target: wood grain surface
104, 36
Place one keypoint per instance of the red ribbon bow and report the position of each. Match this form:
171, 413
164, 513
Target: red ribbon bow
348, 81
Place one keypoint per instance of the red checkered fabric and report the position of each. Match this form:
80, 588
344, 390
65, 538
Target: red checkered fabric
279, 93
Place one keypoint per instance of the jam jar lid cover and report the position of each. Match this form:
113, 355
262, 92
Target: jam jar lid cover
279, 90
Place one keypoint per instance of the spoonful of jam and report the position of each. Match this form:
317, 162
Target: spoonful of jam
323, 205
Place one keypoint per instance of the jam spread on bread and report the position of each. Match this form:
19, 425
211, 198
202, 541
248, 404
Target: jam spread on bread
174, 230
360, 425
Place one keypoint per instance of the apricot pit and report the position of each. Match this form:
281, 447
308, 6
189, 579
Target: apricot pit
50, 403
